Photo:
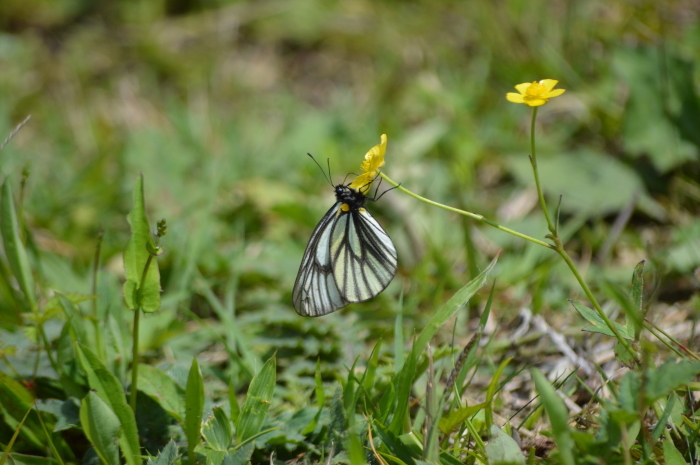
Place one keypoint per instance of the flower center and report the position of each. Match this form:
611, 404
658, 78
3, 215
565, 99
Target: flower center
535, 90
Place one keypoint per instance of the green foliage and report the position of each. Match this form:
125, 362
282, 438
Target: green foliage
211, 106
142, 286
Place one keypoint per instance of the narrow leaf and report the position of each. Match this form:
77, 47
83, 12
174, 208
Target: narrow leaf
14, 249
598, 323
558, 416
257, 402
136, 256
403, 381
457, 417
636, 296
8, 447
458, 301
194, 403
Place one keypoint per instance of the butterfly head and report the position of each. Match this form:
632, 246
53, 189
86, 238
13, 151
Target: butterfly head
349, 196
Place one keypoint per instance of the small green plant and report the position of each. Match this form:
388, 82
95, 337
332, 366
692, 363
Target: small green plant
428, 402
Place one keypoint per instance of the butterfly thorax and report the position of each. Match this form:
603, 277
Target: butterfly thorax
349, 196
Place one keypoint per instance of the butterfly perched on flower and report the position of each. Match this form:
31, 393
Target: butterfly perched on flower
349, 257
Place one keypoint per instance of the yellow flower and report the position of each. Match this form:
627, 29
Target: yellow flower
535, 93
374, 159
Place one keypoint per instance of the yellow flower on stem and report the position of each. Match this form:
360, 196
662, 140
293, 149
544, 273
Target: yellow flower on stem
374, 159
535, 93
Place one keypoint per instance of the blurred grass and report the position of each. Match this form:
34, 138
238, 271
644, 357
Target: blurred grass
217, 103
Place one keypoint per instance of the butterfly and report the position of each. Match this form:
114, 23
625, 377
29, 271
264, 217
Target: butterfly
349, 257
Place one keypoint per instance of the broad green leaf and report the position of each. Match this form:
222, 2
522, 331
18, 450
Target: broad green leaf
240, 456
110, 390
167, 456
257, 402
159, 386
217, 431
669, 376
671, 455
101, 427
14, 249
194, 403
650, 127
596, 185
628, 393
558, 416
502, 449
136, 256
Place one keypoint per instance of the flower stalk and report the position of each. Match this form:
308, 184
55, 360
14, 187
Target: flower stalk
532, 94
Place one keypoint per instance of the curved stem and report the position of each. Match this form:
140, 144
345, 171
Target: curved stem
474, 216
570, 263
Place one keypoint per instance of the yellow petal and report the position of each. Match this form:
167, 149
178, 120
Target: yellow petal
522, 88
363, 179
549, 83
515, 98
554, 93
536, 102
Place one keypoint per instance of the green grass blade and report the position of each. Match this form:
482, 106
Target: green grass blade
11, 443
14, 248
257, 402
398, 337
403, 381
136, 256
101, 427
491, 392
194, 404
637, 298
110, 390
458, 301
558, 417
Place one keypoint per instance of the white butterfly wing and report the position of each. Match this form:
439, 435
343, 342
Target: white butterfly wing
362, 256
315, 290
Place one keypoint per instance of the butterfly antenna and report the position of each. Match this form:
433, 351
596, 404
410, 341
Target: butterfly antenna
346, 177
327, 176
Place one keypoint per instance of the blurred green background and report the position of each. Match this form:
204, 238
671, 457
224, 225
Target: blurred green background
218, 102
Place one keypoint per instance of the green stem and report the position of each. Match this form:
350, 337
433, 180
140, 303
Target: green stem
95, 316
533, 162
570, 263
474, 216
135, 349
135, 360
